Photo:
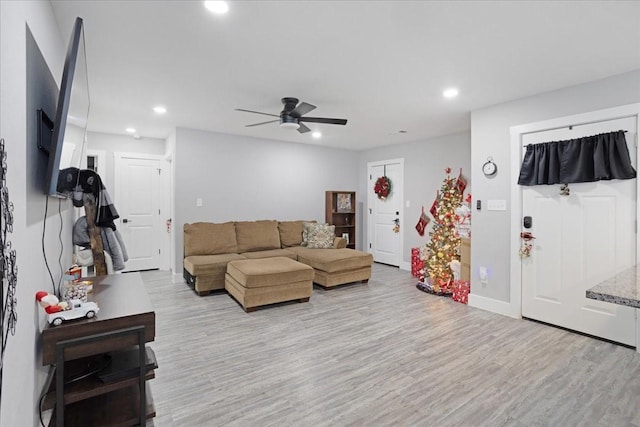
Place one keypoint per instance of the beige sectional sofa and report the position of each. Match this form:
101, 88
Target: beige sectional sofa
209, 247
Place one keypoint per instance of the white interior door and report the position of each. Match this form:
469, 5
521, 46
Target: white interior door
138, 203
384, 244
581, 240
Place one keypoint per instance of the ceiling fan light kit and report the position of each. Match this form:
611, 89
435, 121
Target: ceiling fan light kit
291, 117
290, 125
288, 121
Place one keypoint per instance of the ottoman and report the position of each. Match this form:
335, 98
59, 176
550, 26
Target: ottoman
256, 282
335, 267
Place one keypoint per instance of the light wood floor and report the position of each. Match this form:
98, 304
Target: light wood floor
380, 354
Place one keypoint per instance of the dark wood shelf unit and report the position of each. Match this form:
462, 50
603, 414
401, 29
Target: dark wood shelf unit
87, 388
342, 214
125, 319
116, 409
123, 303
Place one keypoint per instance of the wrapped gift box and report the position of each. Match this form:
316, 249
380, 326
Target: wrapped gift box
416, 262
427, 286
461, 289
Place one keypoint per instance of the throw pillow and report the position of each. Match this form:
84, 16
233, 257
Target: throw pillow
305, 231
321, 236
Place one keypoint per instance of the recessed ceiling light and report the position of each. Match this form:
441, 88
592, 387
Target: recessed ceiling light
316, 135
130, 130
450, 93
219, 7
159, 109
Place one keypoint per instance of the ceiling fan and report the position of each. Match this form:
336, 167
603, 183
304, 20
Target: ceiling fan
292, 116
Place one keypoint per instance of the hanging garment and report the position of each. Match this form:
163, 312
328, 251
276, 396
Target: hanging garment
85, 181
112, 242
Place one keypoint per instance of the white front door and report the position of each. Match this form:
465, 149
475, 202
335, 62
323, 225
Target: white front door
580, 240
384, 243
137, 201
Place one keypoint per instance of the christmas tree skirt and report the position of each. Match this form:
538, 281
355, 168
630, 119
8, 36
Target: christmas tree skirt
426, 287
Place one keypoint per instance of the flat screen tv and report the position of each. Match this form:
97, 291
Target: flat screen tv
70, 124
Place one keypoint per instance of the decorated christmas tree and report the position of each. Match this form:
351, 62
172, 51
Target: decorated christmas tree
442, 249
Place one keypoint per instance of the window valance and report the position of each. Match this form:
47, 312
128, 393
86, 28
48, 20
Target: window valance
592, 158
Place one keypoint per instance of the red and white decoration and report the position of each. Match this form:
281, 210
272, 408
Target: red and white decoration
417, 264
461, 289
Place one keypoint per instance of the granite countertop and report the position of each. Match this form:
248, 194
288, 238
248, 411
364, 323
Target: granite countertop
623, 289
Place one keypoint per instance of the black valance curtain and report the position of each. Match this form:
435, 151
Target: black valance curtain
592, 158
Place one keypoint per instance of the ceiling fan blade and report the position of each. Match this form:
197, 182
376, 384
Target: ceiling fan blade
303, 108
303, 128
257, 112
263, 123
324, 120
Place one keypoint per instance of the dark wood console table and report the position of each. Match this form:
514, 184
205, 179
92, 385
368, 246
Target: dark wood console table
126, 319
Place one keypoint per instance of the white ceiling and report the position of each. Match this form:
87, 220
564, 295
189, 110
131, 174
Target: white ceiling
380, 64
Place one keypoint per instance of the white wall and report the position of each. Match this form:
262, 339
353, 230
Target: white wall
490, 137
424, 164
242, 178
111, 143
23, 372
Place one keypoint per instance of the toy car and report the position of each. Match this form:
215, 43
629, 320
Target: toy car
77, 310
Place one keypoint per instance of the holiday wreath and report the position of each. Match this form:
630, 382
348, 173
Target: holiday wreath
382, 187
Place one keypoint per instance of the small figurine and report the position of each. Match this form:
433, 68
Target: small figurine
50, 303
57, 311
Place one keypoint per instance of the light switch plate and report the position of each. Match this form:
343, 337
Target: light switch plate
199, 202
484, 275
496, 205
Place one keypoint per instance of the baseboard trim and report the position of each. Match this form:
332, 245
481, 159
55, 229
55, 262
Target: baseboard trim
177, 278
405, 266
492, 305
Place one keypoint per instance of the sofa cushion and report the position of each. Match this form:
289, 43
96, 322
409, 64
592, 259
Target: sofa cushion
209, 264
333, 260
207, 238
290, 233
321, 236
257, 235
271, 253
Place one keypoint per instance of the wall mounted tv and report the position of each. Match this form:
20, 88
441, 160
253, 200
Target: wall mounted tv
68, 136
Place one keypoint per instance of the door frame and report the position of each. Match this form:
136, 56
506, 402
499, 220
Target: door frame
102, 162
164, 198
399, 190
630, 110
